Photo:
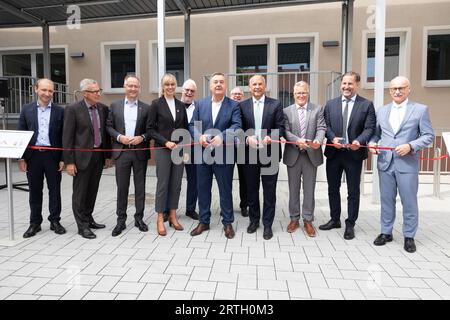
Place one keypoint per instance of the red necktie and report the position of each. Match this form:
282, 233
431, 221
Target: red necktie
96, 126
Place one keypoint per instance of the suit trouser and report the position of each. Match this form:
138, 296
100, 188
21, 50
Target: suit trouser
85, 188
191, 188
407, 185
242, 186
39, 165
269, 182
344, 162
224, 178
127, 161
168, 186
302, 171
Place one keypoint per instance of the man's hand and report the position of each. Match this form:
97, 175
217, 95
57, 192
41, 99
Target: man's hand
302, 144
71, 170
315, 144
403, 149
337, 142
124, 140
136, 140
203, 140
252, 141
216, 141
170, 145
266, 140
355, 145
22, 165
108, 163
61, 166
372, 148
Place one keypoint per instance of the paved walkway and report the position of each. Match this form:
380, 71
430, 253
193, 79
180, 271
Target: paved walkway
139, 265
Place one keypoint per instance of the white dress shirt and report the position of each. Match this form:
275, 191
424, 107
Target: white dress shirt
171, 103
130, 111
190, 111
215, 109
397, 115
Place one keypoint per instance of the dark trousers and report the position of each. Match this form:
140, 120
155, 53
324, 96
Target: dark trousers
191, 189
127, 161
344, 162
269, 182
242, 186
224, 178
85, 188
43, 164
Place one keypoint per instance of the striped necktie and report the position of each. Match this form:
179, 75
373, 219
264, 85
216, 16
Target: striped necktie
302, 119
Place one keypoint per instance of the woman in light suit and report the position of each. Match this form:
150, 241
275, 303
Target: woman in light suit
167, 114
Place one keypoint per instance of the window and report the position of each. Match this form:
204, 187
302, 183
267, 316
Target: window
391, 58
175, 63
57, 66
438, 57
16, 64
118, 60
250, 59
396, 56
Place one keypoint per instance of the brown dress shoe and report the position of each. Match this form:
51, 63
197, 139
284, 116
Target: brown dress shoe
199, 229
309, 229
228, 230
292, 226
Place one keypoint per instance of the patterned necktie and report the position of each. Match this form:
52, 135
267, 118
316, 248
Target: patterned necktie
302, 122
96, 126
344, 122
258, 119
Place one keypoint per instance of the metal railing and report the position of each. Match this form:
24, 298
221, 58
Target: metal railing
324, 85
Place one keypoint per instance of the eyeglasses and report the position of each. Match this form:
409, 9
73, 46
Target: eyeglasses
94, 91
189, 90
301, 93
398, 88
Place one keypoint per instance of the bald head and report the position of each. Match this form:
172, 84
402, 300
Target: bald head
399, 89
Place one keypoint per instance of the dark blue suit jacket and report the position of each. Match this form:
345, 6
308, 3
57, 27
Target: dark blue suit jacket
273, 118
361, 124
28, 121
227, 122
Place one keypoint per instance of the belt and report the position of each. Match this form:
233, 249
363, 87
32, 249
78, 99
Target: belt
130, 146
43, 150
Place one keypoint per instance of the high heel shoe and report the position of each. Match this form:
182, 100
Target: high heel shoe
173, 222
160, 225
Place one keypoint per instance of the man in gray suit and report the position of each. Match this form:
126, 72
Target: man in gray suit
126, 125
305, 130
405, 126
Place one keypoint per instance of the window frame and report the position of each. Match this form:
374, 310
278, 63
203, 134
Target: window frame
153, 63
105, 62
427, 31
404, 58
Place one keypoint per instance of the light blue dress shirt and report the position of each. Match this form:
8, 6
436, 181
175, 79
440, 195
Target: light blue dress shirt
43, 138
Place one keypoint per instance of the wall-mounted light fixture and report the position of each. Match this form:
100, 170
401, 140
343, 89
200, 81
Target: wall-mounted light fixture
333, 43
77, 55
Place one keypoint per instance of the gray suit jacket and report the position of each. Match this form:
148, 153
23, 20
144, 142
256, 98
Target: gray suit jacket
415, 129
115, 125
315, 130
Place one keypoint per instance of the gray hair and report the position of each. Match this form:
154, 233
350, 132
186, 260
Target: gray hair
190, 82
85, 83
301, 84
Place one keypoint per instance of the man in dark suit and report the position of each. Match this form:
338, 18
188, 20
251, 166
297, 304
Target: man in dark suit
351, 122
213, 124
260, 116
45, 119
237, 94
126, 124
85, 128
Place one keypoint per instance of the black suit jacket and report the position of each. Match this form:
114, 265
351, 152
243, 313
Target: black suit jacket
29, 121
361, 124
273, 118
115, 125
160, 124
78, 133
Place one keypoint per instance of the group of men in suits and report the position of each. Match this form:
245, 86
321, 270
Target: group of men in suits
348, 122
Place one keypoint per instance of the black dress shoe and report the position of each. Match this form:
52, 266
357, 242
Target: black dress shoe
166, 215
228, 231
192, 214
252, 227
244, 212
95, 225
330, 225
199, 229
118, 229
87, 233
32, 230
57, 227
382, 239
268, 234
349, 233
410, 245
141, 225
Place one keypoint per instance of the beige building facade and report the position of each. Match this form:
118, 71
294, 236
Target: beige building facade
285, 39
